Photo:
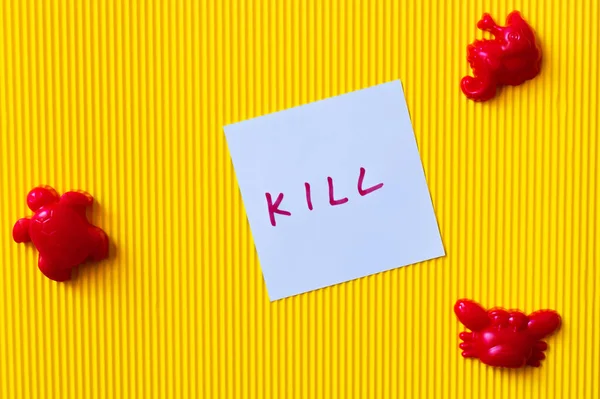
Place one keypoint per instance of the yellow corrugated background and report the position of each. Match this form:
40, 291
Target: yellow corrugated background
127, 100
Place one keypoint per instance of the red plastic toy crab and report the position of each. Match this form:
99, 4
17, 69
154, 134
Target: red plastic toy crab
503, 338
61, 232
511, 58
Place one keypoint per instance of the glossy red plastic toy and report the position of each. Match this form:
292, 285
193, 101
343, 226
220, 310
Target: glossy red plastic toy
503, 338
511, 58
61, 232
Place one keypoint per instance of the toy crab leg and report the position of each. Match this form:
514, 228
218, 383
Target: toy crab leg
469, 353
540, 346
77, 198
21, 230
466, 336
52, 272
468, 349
100, 244
536, 358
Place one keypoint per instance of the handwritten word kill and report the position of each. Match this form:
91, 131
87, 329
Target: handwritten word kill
273, 207
333, 190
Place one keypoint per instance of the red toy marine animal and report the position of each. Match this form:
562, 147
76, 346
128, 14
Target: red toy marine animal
61, 232
503, 338
511, 58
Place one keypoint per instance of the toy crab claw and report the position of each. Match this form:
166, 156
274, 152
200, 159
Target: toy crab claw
503, 338
514, 18
487, 24
478, 88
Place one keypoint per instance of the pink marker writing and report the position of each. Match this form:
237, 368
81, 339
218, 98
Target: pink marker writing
273, 208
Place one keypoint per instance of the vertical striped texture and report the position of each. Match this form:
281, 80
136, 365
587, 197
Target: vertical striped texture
127, 100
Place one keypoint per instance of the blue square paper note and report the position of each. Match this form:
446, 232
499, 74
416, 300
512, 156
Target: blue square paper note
334, 190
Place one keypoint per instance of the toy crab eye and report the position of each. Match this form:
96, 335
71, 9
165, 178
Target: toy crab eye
514, 36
